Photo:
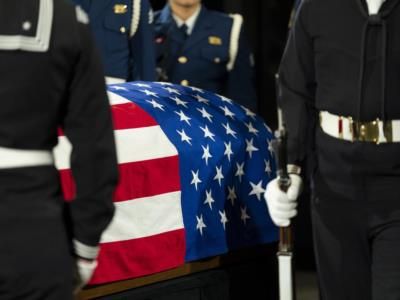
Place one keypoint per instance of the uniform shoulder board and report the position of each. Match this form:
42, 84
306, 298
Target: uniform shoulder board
234, 41
136, 8
81, 15
38, 43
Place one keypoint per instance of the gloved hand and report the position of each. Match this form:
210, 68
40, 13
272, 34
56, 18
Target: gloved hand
84, 272
281, 205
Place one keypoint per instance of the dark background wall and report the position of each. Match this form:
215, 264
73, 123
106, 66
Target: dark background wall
265, 23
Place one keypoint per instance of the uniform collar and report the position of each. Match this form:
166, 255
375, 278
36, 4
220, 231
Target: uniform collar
385, 9
38, 43
374, 6
190, 22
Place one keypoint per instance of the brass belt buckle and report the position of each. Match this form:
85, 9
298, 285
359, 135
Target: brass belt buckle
369, 131
365, 131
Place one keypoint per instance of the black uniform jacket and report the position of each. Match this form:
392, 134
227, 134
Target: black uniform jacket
50, 78
341, 60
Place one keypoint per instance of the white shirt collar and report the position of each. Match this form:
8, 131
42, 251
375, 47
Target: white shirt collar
374, 6
190, 22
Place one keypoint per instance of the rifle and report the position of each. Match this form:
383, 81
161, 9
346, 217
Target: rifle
285, 251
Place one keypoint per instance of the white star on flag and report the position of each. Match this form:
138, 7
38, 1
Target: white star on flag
268, 169
224, 99
205, 114
142, 85
195, 89
171, 90
249, 112
196, 180
227, 112
257, 189
250, 147
240, 171
209, 199
184, 137
155, 104
251, 128
207, 133
219, 176
164, 83
223, 219
270, 148
231, 195
179, 101
201, 99
228, 150
119, 88
200, 224
206, 153
229, 131
183, 117
149, 93
244, 216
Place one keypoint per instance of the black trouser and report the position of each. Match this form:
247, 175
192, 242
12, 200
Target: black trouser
35, 257
357, 239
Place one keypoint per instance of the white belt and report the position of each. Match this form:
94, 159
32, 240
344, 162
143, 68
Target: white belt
114, 80
346, 128
17, 158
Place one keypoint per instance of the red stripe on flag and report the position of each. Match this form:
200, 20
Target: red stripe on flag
137, 179
130, 115
140, 257
127, 116
147, 178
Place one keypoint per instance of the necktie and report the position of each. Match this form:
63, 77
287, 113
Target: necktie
184, 30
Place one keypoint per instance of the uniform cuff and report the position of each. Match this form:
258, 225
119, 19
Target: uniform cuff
85, 251
293, 169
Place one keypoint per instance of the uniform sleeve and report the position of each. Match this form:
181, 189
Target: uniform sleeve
240, 83
88, 126
143, 46
297, 88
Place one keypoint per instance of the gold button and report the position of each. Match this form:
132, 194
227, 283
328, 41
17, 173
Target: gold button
122, 29
217, 60
185, 82
183, 59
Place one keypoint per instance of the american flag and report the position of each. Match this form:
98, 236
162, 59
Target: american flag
193, 169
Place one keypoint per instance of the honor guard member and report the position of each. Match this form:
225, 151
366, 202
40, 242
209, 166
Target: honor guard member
339, 81
50, 78
205, 49
124, 33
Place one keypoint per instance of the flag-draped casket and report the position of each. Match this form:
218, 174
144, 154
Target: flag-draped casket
193, 168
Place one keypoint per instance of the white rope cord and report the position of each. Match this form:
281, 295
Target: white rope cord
136, 8
234, 42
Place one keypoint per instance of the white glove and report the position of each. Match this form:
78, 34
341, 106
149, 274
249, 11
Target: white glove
281, 205
85, 269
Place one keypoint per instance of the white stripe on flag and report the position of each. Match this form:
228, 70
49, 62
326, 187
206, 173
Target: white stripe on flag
115, 99
133, 145
144, 217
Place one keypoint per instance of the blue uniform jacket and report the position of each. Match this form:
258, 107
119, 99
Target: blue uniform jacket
202, 59
124, 56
